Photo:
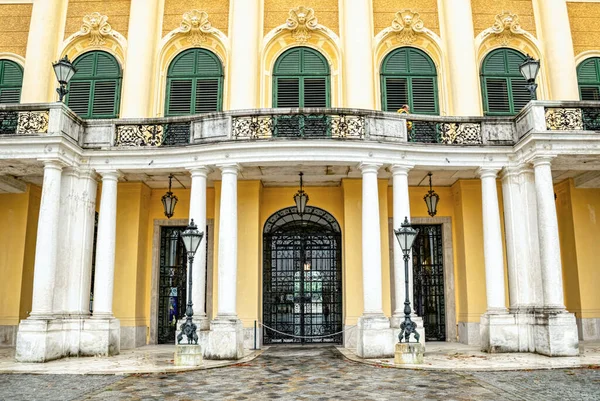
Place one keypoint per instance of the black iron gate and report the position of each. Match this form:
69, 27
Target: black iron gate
172, 286
302, 278
428, 281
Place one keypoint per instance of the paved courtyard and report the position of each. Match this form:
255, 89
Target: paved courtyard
309, 373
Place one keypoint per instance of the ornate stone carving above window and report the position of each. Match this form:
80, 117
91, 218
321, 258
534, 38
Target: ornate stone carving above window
407, 24
506, 26
96, 25
195, 23
301, 21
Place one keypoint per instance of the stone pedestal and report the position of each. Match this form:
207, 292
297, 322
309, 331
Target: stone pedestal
395, 322
556, 334
100, 337
499, 333
39, 340
225, 340
409, 353
375, 337
188, 355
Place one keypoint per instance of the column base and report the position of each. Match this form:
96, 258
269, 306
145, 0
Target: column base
225, 339
589, 329
375, 337
556, 334
100, 337
499, 332
395, 322
188, 355
39, 340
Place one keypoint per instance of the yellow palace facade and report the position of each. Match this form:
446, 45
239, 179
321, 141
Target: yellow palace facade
223, 103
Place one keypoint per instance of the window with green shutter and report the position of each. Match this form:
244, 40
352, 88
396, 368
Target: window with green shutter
503, 87
409, 77
194, 83
301, 79
11, 80
95, 89
588, 79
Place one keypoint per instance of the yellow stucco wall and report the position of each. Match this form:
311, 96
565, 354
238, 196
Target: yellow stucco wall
585, 30
14, 27
116, 10
384, 12
218, 13
276, 12
485, 11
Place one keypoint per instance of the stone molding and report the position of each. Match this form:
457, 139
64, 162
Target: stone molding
196, 25
506, 26
97, 27
300, 22
407, 25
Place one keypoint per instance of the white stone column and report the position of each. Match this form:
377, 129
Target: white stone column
47, 243
198, 213
456, 20
356, 24
401, 209
105, 246
492, 242
144, 33
245, 31
548, 236
558, 58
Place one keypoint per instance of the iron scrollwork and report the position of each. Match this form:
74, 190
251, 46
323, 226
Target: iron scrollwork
564, 119
253, 127
460, 133
152, 135
591, 118
8, 122
344, 126
32, 122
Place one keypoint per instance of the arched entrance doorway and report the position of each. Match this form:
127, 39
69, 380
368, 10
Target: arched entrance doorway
302, 277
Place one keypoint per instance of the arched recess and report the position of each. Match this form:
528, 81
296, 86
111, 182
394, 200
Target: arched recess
302, 277
81, 42
388, 40
178, 41
321, 39
408, 76
11, 80
588, 78
194, 83
95, 89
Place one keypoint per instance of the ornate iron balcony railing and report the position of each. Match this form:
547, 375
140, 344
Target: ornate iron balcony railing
152, 135
24, 122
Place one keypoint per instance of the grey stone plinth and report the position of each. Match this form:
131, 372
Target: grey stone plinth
188, 355
39, 340
225, 340
375, 337
100, 337
409, 353
499, 333
556, 334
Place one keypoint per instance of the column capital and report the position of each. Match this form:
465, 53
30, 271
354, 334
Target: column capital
53, 164
366, 167
542, 160
486, 172
229, 168
401, 168
199, 171
515, 171
109, 174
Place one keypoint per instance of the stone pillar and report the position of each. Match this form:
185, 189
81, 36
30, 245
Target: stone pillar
37, 339
198, 213
375, 337
554, 33
145, 19
226, 340
556, 330
356, 24
246, 34
456, 21
46, 32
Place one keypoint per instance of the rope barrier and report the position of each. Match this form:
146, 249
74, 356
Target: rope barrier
306, 337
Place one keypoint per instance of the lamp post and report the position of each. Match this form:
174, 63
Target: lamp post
301, 198
406, 236
529, 69
191, 240
64, 71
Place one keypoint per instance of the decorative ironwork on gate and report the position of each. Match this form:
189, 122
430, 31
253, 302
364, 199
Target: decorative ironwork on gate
302, 277
428, 281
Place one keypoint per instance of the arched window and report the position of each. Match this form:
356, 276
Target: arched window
95, 89
503, 87
301, 79
11, 80
409, 77
194, 83
588, 79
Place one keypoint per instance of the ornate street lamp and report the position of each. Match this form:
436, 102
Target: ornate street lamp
529, 69
169, 200
301, 198
64, 71
191, 240
431, 199
406, 236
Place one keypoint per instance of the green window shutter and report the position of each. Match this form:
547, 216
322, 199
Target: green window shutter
409, 77
94, 90
301, 79
194, 83
588, 78
11, 81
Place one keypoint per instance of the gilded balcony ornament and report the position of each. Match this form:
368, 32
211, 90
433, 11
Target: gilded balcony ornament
300, 22
506, 27
139, 135
196, 24
96, 25
407, 25
32, 122
564, 119
460, 133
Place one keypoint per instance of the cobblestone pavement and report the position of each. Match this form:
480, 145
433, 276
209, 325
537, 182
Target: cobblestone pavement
309, 373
